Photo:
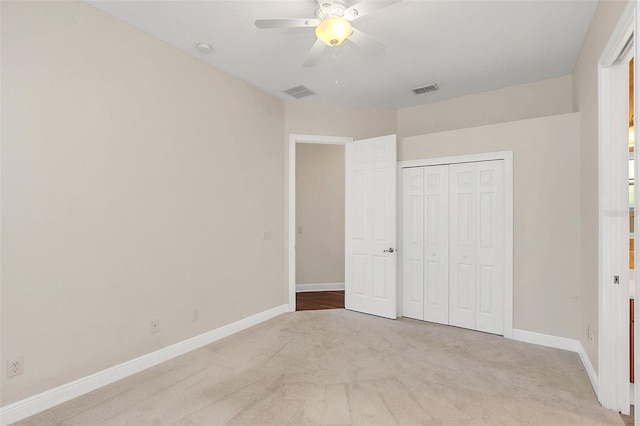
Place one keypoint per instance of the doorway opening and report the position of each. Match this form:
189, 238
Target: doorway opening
316, 222
320, 207
369, 222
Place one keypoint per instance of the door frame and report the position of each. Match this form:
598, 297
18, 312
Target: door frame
507, 156
613, 220
291, 218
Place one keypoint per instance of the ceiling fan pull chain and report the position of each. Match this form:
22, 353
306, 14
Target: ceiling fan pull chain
335, 61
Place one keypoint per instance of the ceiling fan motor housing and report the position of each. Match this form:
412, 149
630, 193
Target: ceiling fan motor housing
336, 9
334, 26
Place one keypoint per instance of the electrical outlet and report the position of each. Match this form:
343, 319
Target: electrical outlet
195, 315
266, 235
155, 326
14, 366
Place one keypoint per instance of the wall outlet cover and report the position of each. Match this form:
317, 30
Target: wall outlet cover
15, 366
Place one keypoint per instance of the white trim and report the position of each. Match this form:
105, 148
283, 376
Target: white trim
468, 158
591, 372
399, 286
559, 343
507, 156
546, 340
613, 208
304, 288
620, 35
45, 400
291, 252
635, 12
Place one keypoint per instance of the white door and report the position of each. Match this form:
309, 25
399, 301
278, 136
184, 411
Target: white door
477, 246
436, 244
490, 247
370, 226
413, 242
425, 243
462, 273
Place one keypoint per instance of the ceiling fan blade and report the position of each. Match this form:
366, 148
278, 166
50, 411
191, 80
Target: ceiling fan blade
315, 54
287, 23
365, 42
364, 7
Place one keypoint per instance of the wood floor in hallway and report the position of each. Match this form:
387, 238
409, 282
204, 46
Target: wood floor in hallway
315, 300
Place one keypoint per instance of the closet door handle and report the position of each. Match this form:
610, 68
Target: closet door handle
391, 250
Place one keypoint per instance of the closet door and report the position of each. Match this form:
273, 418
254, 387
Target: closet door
490, 247
436, 244
462, 271
413, 242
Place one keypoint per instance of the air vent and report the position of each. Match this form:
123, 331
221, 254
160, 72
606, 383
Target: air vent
428, 88
299, 92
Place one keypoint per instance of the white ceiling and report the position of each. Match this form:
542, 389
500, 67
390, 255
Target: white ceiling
463, 46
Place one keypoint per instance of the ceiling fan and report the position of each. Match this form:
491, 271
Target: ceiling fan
333, 26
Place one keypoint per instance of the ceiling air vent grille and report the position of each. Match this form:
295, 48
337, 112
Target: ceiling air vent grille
299, 92
428, 88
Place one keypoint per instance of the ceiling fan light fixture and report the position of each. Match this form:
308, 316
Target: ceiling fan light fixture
333, 30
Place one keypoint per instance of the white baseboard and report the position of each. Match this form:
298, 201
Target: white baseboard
546, 340
45, 400
591, 372
559, 343
302, 288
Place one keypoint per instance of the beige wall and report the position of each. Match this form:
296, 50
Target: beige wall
320, 189
137, 182
531, 100
336, 120
585, 99
546, 211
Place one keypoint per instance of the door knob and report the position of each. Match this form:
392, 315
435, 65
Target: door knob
391, 250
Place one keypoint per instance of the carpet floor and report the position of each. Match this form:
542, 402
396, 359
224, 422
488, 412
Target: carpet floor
341, 367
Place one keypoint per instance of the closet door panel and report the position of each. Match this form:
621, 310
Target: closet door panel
490, 247
413, 242
463, 228
436, 244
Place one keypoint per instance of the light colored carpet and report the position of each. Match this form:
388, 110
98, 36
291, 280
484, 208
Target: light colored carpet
341, 367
